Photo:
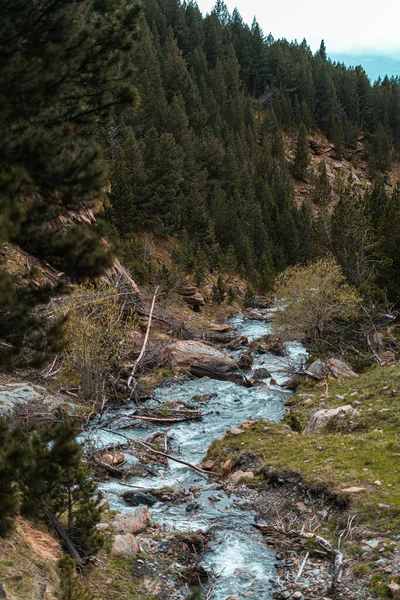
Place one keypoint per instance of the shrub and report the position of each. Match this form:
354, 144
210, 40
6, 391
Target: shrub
313, 301
96, 333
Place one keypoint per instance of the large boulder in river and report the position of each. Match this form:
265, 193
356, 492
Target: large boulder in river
255, 315
322, 417
201, 360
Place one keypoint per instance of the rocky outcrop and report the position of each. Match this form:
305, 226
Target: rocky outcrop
139, 498
201, 360
333, 366
339, 369
192, 296
268, 344
124, 546
132, 522
15, 396
322, 417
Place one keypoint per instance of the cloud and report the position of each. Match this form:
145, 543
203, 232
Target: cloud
351, 26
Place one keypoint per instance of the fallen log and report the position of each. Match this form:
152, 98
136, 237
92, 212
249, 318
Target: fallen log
178, 460
165, 419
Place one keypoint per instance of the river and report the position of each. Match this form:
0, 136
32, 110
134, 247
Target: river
238, 552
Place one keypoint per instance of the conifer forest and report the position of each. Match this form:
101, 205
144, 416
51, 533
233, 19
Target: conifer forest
199, 309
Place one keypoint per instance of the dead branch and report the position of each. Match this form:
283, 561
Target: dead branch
302, 566
131, 380
109, 468
173, 458
164, 419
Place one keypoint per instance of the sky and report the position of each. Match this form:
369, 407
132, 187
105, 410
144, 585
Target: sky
348, 26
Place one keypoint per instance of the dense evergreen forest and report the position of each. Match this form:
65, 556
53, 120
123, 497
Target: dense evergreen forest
203, 156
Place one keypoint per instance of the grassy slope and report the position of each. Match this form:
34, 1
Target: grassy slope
341, 456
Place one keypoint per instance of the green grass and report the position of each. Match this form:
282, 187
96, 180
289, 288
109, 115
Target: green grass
341, 456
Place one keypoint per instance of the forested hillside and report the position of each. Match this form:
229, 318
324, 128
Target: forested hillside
204, 154
195, 221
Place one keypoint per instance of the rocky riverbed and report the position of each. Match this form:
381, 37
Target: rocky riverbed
237, 560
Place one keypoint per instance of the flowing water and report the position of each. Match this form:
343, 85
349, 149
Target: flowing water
237, 553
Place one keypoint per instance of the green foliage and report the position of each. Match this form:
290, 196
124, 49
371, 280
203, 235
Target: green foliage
322, 192
313, 301
42, 471
302, 156
219, 290
70, 587
61, 70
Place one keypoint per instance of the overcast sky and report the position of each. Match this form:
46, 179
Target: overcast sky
350, 26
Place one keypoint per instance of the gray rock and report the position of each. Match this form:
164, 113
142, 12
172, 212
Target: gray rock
13, 394
261, 373
317, 370
139, 498
124, 546
322, 417
255, 315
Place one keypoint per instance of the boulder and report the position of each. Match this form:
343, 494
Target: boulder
317, 370
261, 302
322, 417
259, 346
353, 490
227, 466
261, 373
255, 315
124, 546
235, 477
245, 361
237, 343
133, 522
235, 430
139, 498
394, 589
223, 328
339, 369
13, 395
201, 360
113, 459
208, 464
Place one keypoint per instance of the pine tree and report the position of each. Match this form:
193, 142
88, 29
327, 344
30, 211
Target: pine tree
322, 192
61, 70
354, 242
302, 156
70, 587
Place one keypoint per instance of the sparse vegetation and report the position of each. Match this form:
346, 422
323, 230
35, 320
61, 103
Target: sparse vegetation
96, 331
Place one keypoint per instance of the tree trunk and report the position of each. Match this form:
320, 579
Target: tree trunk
62, 532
